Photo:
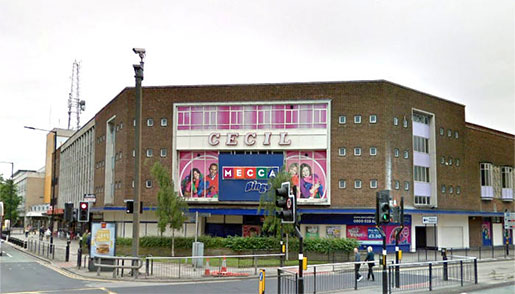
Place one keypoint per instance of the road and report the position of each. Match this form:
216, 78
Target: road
22, 273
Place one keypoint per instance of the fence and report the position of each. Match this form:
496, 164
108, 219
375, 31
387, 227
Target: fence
208, 266
431, 275
479, 252
407, 277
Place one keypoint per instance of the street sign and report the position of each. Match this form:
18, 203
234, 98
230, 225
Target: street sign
261, 281
430, 220
509, 220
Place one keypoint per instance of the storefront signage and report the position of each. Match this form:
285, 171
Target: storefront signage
248, 138
509, 220
90, 198
103, 239
430, 220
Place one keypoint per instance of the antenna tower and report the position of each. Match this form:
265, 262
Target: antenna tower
75, 105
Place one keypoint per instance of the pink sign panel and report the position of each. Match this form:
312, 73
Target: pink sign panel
308, 171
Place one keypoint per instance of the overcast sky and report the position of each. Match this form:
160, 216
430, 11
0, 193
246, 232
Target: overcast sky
462, 51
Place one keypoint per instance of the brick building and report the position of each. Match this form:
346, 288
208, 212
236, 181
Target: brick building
344, 141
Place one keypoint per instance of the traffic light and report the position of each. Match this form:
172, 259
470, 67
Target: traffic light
83, 211
285, 201
383, 207
68, 212
74, 217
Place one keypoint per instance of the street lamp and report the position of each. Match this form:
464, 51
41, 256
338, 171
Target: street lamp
52, 200
138, 70
12, 167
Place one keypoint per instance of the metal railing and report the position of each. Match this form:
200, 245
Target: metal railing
118, 262
432, 275
209, 266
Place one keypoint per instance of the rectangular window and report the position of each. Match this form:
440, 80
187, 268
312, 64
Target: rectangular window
357, 151
421, 144
486, 174
373, 119
406, 186
405, 123
395, 121
420, 118
373, 151
150, 122
149, 152
421, 174
456, 134
507, 177
443, 189
341, 184
357, 119
397, 185
357, 184
458, 190
163, 152
406, 154
396, 152
148, 183
373, 184
164, 122
342, 119
341, 151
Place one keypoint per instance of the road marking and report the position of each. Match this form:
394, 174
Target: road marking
53, 291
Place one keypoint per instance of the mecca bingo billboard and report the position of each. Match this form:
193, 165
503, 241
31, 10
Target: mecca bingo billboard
244, 177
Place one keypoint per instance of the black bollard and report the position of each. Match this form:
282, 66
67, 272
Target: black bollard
79, 257
67, 250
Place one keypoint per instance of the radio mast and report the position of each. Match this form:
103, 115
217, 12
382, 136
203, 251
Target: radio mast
75, 105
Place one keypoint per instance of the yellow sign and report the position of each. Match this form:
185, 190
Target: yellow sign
400, 254
283, 248
261, 281
305, 263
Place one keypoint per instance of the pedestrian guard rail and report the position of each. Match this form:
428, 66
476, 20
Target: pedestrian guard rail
117, 263
402, 277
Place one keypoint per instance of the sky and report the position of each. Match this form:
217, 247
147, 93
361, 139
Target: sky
460, 50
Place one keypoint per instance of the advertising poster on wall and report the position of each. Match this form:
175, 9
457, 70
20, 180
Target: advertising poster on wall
103, 239
308, 171
486, 233
333, 231
251, 230
312, 232
198, 173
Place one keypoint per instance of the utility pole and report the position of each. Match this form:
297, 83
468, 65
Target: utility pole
138, 70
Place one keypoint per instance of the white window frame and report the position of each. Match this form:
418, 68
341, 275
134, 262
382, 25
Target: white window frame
148, 184
372, 119
507, 177
488, 168
458, 190
342, 119
456, 134
405, 122
373, 151
342, 184
357, 151
395, 121
357, 184
396, 152
406, 154
373, 184
406, 186
443, 189
342, 151
150, 122
397, 185
149, 152
449, 133
357, 119
451, 189
163, 152
164, 122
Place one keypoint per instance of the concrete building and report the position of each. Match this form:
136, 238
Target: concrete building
343, 141
30, 187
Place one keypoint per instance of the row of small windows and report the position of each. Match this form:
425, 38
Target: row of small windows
342, 119
148, 184
99, 164
99, 189
450, 189
163, 152
449, 133
342, 151
150, 122
342, 184
450, 161
101, 139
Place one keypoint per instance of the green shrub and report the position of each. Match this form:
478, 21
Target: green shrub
319, 245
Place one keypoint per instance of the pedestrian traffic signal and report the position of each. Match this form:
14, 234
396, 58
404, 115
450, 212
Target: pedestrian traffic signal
68, 212
285, 201
83, 211
383, 207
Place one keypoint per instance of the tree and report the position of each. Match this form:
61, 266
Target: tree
171, 207
272, 224
9, 196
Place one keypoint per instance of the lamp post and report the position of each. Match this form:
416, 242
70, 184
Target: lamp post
12, 167
52, 200
138, 70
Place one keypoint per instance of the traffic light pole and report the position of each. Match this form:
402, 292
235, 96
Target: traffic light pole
397, 250
301, 260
